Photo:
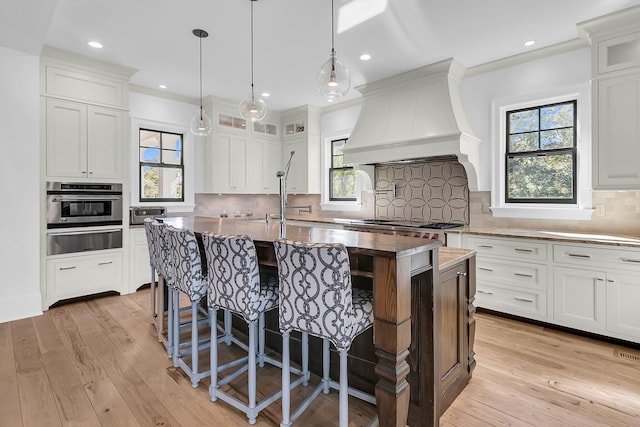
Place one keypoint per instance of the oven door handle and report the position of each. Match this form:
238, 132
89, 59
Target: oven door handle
75, 198
67, 233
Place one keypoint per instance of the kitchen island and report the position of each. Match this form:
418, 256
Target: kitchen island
419, 327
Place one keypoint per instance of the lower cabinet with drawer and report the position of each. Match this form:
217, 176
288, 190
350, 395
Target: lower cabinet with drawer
589, 287
79, 275
139, 267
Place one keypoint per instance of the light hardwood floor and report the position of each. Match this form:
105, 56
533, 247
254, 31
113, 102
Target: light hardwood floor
98, 362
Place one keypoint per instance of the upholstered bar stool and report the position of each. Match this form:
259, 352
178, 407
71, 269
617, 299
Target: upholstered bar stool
316, 297
186, 278
235, 284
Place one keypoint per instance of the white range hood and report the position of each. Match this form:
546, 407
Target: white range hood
414, 115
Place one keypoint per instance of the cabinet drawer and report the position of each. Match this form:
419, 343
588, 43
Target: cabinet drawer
590, 256
525, 302
527, 250
512, 273
76, 276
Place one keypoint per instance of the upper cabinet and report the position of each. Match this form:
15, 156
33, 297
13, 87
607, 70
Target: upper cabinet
615, 70
302, 136
84, 111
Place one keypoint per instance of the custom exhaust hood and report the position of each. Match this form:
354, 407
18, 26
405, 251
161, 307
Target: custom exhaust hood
415, 115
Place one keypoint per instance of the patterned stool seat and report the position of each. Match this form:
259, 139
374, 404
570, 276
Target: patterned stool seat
316, 297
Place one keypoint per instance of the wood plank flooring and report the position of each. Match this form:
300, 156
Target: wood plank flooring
98, 363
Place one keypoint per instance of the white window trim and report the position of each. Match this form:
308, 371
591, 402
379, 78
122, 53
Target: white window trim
325, 152
188, 205
583, 209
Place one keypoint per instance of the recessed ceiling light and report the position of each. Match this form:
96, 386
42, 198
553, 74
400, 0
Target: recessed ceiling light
95, 44
162, 86
529, 43
265, 94
329, 100
365, 57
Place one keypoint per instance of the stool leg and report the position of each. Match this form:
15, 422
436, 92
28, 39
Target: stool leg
213, 355
159, 301
170, 323
261, 340
286, 382
344, 393
194, 344
227, 326
251, 413
326, 359
153, 295
305, 358
176, 326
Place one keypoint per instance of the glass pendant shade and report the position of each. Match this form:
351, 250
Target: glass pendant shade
253, 109
333, 80
200, 123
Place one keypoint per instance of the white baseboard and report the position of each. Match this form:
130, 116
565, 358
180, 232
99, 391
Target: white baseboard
20, 307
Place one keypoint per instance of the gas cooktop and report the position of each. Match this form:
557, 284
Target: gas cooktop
412, 224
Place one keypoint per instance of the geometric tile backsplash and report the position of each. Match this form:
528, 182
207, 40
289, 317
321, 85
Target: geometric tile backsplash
430, 191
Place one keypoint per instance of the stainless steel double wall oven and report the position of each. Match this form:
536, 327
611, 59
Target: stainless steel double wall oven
79, 205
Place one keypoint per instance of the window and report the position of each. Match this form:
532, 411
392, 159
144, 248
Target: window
342, 179
161, 166
540, 159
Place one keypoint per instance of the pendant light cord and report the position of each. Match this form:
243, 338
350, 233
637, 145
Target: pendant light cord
332, 30
200, 37
252, 90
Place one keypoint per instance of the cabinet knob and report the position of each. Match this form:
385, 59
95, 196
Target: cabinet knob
461, 273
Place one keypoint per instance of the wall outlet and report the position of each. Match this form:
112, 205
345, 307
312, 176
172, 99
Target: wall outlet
600, 210
485, 208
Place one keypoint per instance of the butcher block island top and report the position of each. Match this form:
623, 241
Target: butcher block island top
419, 355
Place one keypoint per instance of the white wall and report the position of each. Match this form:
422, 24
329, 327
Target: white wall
168, 115
529, 81
19, 186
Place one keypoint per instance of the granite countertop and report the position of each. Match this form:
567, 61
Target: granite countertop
448, 257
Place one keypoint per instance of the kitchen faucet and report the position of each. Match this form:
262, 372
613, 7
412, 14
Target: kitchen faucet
282, 176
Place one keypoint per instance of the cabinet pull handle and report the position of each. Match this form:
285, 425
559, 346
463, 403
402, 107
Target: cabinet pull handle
485, 246
485, 269
461, 273
578, 256
630, 260
611, 281
599, 279
523, 274
105, 263
67, 268
522, 299
523, 250
485, 292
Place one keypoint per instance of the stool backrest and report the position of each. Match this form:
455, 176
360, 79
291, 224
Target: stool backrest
159, 255
315, 290
233, 274
185, 263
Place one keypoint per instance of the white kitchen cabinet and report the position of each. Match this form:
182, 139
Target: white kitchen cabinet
79, 275
623, 296
580, 299
511, 275
140, 270
616, 163
83, 141
227, 163
298, 178
262, 165
301, 128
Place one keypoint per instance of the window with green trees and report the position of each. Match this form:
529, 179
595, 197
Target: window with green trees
161, 166
541, 154
342, 179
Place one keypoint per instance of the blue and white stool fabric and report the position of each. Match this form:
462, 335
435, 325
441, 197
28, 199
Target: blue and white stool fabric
235, 284
316, 297
186, 277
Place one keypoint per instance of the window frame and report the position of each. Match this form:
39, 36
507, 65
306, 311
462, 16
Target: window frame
333, 169
160, 164
573, 151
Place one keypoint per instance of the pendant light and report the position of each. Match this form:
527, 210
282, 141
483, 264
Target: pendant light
200, 124
333, 80
252, 109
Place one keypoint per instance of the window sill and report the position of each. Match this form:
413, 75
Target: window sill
537, 212
340, 206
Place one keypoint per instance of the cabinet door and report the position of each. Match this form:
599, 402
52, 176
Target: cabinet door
228, 163
623, 295
580, 298
255, 167
297, 180
616, 149
104, 142
66, 139
270, 166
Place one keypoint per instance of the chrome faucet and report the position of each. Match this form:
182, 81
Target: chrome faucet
282, 176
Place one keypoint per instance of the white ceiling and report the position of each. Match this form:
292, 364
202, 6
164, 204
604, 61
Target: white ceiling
292, 38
